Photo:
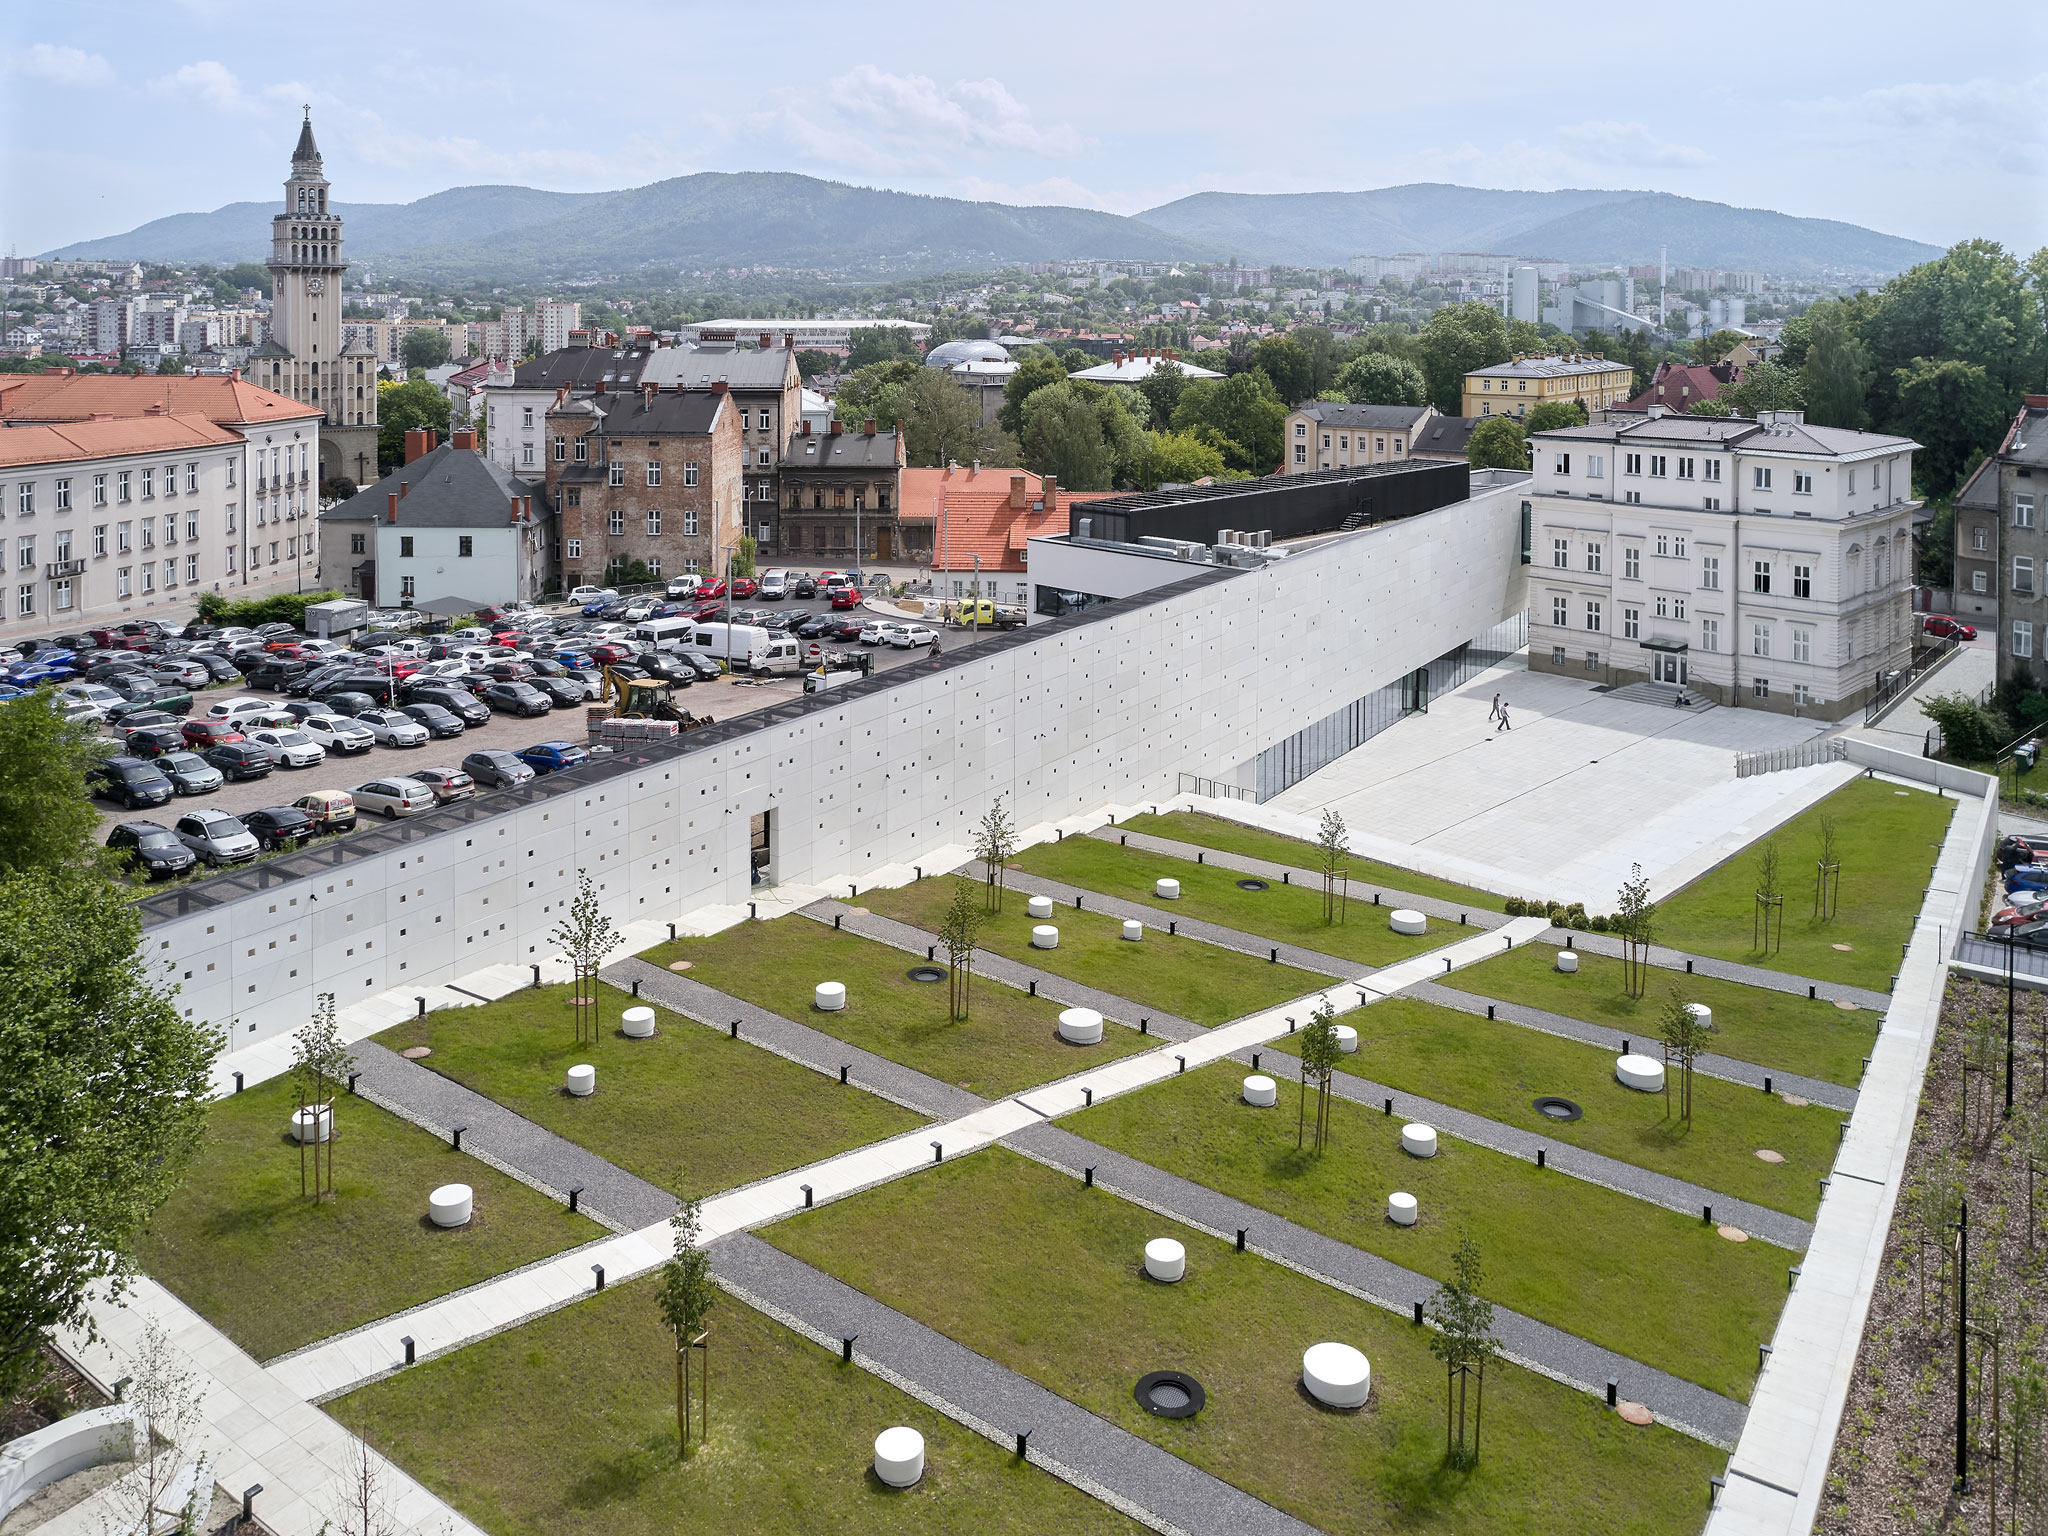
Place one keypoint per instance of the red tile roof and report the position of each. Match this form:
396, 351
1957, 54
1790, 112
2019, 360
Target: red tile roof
970, 513
1680, 386
71, 441
220, 398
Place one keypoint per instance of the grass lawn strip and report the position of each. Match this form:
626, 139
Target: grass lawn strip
1770, 1029
964, 1248
568, 1424
1886, 841
1659, 1287
1198, 981
274, 1270
1008, 1042
1497, 1069
1228, 836
690, 1110
1290, 914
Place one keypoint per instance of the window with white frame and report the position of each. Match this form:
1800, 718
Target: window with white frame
25, 602
1632, 463
63, 495
2022, 573
2022, 638
2022, 514
1632, 562
1659, 466
654, 566
616, 522
99, 490
1760, 576
1710, 634
121, 582
171, 568
654, 472
1710, 470
1760, 477
1596, 467
149, 576
1802, 482
1678, 546
1710, 572
690, 522
1593, 615
1633, 498
766, 458
572, 549
1561, 554
1980, 538
1663, 544
1710, 503
616, 474
1802, 645
148, 484
1802, 581
99, 538
1801, 694
1760, 639
1685, 468
192, 479
1557, 655
1592, 557
689, 472
60, 595
1560, 610
654, 522
526, 454
1760, 687
561, 448
582, 451
1631, 623
231, 473
123, 480
1562, 464
1592, 661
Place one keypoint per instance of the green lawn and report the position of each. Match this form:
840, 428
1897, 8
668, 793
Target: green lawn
1026, 1266
569, 1424
1772, 1029
1497, 1069
1290, 914
1887, 840
1182, 976
1009, 1041
1231, 837
691, 1109
1657, 1286
273, 1270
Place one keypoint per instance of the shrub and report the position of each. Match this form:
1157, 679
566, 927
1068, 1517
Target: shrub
1514, 906
282, 608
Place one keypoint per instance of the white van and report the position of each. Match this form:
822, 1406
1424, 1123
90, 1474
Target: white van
728, 642
665, 634
779, 657
774, 586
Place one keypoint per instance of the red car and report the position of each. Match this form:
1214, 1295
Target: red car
211, 733
1942, 624
710, 589
291, 650
744, 586
845, 597
609, 653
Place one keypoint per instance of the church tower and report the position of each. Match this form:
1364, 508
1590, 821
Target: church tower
304, 357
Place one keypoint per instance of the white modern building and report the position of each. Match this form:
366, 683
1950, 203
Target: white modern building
797, 333
1764, 563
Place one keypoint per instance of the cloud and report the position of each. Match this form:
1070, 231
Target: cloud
1932, 123
1628, 144
207, 83
61, 65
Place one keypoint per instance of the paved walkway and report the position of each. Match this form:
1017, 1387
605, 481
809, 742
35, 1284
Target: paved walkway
1298, 874
1133, 1475
1726, 1068
1548, 1351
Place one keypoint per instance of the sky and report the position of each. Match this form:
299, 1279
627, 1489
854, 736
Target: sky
1917, 122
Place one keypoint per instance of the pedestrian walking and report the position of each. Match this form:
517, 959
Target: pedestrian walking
1504, 718
1493, 715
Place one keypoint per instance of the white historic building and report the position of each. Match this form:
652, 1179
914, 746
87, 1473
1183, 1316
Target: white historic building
1763, 563
305, 356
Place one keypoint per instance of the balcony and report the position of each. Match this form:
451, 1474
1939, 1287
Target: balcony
58, 569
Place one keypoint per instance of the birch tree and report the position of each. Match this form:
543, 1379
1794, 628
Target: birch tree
585, 936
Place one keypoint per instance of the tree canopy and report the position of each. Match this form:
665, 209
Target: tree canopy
401, 407
1241, 417
426, 347
1458, 339
1036, 369
878, 344
1549, 415
1498, 443
1378, 378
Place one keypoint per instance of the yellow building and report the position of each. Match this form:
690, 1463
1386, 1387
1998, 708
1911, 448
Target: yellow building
1511, 388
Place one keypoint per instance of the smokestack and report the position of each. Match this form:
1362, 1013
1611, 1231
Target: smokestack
767, 341
418, 442
1017, 493
391, 506
868, 427
838, 426
403, 487
463, 438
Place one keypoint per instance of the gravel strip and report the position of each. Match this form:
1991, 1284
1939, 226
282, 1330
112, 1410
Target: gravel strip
1727, 1068
508, 1141
1536, 1346
796, 1042
1610, 1173
1432, 906
1077, 1446
1067, 993
1727, 970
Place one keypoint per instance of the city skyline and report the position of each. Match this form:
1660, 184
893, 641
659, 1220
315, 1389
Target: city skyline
1145, 106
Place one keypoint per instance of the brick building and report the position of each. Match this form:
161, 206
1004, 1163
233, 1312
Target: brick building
655, 475
842, 497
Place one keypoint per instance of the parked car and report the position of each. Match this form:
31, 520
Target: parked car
446, 783
344, 701
102, 698
845, 629
216, 836
516, 699
338, 733
330, 810
189, 773
152, 849
373, 689
277, 673
845, 597
706, 668
496, 769
439, 720
562, 693
812, 628
908, 637
147, 719
394, 728
131, 781
218, 667
545, 757
153, 742
1942, 624
583, 596
453, 697
394, 797
204, 734
140, 693
2027, 877
280, 826
669, 668
239, 760
508, 671
2025, 930
288, 746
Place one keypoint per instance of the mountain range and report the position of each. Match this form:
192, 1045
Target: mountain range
777, 219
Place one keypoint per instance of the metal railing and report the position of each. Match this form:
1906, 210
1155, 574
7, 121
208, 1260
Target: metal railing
1891, 687
1808, 754
1998, 955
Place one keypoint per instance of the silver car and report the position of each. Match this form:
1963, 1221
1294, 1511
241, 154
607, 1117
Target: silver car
216, 837
394, 797
394, 728
288, 748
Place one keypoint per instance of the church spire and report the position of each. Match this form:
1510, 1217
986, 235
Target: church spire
308, 152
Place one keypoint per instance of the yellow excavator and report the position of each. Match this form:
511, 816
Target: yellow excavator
643, 698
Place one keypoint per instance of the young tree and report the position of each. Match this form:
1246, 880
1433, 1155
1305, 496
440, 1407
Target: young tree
1462, 1340
995, 840
1827, 870
962, 926
1770, 901
103, 1089
1634, 919
686, 1297
1319, 1057
169, 1413
1685, 1037
320, 1063
359, 1503
585, 936
1331, 849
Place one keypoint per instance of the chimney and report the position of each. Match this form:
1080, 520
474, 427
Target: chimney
235, 374
515, 510
463, 438
1017, 484
600, 387
561, 397
767, 341
403, 487
718, 386
418, 441
647, 396
807, 427
838, 426
868, 427
1051, 489
391, 506
529, 508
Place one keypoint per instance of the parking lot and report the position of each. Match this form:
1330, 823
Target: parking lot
729, 696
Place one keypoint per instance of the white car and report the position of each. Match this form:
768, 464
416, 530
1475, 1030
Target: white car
394, 728
639, 609
907, 637
874, 632
338, 733
240, 709
288, 749
582, 595
469, 632
216, 836
310, 649
394, 797
95, 696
